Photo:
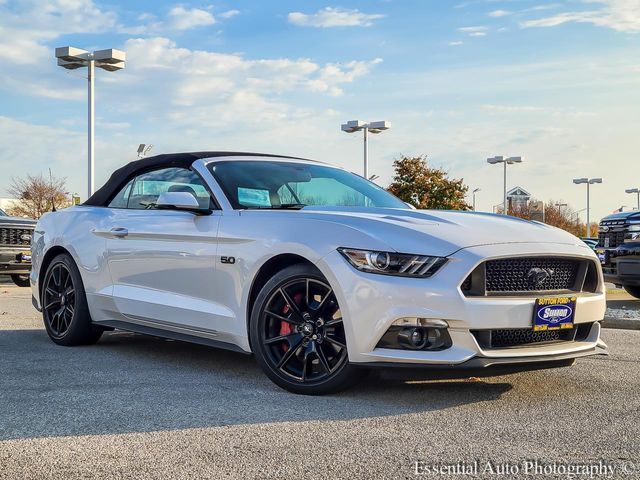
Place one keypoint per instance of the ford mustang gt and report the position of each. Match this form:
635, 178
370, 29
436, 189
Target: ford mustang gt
316, 271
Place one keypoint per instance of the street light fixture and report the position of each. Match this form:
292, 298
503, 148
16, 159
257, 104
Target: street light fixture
475, 190
505, 161
560, 205
110, 60
143, 150
588, 181
637, 192
353, 126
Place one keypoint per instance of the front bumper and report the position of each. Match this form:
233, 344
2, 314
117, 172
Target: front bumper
371, 303
622, 264
13, 261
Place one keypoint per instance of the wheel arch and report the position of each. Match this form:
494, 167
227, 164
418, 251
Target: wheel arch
268, 269
52, 253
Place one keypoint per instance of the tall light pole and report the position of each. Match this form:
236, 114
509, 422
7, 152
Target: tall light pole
353, 126
505, 161
637, 192
109, 60
475, 190
588, 181
560, 205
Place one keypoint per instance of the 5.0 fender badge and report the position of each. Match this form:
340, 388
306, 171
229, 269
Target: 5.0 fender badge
227, 259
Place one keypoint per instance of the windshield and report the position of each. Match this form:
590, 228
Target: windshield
280, 185
2, 213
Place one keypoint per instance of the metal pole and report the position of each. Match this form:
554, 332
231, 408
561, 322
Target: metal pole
474, 201
588, 220
504, 202
91, 147
638, 199
366, 152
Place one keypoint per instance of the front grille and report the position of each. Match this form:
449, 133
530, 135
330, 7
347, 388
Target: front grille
12, 236
614, 235
515, 337
515, 274
531, 275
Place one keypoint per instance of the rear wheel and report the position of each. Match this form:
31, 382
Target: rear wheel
64, 305
21, 280
298, 335
633, 291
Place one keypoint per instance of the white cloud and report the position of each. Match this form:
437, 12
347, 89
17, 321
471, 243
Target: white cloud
230, 13
333, 17
474, 29
192, 75
27, 25
620, 15
181, 18
499, 13
456, 43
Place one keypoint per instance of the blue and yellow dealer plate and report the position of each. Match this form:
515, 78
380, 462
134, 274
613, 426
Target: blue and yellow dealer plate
554, 313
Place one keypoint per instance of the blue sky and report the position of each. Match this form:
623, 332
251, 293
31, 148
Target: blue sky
555, 81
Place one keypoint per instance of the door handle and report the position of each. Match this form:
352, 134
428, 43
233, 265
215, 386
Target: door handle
119, 232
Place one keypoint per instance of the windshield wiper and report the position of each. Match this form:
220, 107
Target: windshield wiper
283, 206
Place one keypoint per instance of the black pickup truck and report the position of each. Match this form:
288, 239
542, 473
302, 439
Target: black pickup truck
15, 248
619, 250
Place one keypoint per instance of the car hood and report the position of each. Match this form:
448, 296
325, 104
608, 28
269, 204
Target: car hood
440, 232
11, 221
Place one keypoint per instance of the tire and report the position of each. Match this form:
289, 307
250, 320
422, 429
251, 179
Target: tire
633, 291
64, 305
21, 280
301, 348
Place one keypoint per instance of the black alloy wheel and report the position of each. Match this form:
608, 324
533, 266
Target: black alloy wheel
298, 333
21, 280
64, 305
58, 300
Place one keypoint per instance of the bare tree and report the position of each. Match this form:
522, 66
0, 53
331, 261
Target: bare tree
37, 195
557, 216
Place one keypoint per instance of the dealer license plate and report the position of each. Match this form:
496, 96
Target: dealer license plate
554, 313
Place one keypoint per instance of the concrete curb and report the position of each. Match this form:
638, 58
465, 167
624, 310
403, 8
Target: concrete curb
620, 323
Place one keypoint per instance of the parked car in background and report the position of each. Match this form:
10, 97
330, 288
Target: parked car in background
619, 250
15, 248
592, 242
315, 270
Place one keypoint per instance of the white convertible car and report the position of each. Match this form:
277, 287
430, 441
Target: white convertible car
314, 270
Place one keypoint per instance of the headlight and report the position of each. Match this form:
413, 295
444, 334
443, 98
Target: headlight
391, 263
633, 228
632, 237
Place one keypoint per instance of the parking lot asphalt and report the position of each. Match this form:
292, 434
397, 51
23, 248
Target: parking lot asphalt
139, 407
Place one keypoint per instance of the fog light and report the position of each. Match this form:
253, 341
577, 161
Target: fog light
413, 338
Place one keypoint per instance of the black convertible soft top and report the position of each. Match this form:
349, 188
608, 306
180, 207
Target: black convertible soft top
121, 176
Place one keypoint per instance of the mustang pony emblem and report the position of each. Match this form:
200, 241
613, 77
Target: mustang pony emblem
537, 276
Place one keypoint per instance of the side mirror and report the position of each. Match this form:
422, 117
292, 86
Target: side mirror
180, 201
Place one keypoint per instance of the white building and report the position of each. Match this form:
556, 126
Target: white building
518, 198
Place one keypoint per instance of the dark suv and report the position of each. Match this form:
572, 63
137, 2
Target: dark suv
619, 250
15, 248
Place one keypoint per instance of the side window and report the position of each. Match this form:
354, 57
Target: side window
148, 187
122, 198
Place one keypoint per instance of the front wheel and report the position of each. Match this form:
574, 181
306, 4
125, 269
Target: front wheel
633, 291
21, 280
64, 305
298, 335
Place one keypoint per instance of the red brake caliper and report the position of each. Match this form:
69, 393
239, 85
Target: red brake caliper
285, 327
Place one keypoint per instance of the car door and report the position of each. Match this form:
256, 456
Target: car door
162, 262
